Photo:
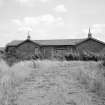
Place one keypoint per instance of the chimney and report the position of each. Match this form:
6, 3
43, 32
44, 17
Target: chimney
28, 36
89, 34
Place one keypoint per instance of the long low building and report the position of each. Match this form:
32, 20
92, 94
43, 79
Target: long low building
54, 49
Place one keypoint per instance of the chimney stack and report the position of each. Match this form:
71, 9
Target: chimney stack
28, 36
89, 34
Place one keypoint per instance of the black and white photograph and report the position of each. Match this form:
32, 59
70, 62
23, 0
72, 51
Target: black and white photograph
52, 52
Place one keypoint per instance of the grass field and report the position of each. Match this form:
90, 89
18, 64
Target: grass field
52, 83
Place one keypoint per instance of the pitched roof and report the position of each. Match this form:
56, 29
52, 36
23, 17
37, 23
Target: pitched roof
49, 42
2, 48
59, 42
14, 42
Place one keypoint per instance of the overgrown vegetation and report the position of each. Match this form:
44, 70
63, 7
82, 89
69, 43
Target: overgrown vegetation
12, 57
85, 56
52, 83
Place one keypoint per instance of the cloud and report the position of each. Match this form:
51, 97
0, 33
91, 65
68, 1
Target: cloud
96, 29
31, 2
60, 8
18, 22
44, 0
31, 23
24, 1
99, 25
1, 3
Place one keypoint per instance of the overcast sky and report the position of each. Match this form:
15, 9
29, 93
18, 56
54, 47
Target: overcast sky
50, 19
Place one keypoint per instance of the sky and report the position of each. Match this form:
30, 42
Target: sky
51, 19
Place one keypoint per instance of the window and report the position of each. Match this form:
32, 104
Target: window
36, 51
60, 51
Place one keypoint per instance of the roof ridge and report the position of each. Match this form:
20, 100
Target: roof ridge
60, 39
49, 42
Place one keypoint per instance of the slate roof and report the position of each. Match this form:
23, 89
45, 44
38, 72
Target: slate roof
59, 42
14, 42
2, 49
49, 42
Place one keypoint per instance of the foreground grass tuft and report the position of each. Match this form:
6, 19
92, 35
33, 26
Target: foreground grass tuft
52, 83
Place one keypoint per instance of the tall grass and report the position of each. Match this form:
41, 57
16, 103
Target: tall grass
10, 79
52, 82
